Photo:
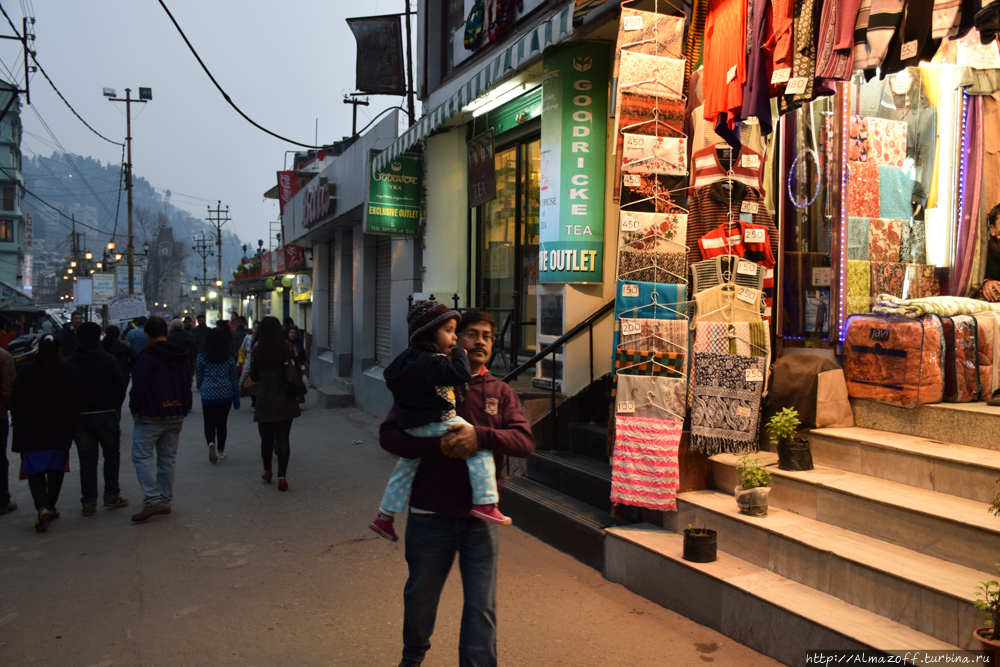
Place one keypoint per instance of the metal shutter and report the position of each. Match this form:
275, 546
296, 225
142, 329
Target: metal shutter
331, 273
383, 300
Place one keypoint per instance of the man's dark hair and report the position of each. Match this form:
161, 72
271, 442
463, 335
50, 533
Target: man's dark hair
991, 217
155, 327
241, 319
141, 321
89, 333
201, 316
287, 321
187, 319
112, 333
471, 317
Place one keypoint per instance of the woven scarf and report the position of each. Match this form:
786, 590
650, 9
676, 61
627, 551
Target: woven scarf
652, 266
648, 362
858, 231
725, 409
888, 278
652, 396
718, 305
644, 467
749, 339
655, 335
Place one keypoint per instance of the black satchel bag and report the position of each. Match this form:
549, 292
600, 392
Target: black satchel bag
293, 379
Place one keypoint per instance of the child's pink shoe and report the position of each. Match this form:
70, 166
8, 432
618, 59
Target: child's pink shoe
492, 514
383, 526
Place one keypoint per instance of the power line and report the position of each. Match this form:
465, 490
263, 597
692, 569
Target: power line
224, 93
52, 83
32, 194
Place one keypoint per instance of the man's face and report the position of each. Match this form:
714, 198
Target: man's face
76, 320
241, 321
477, 339
201, 320
995, 228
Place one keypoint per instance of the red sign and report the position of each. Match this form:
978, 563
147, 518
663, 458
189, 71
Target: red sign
294, 258
288, 185
317, 205
265, 264
278, 263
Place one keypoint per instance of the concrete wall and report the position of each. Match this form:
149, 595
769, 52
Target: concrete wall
370, 393
445, 252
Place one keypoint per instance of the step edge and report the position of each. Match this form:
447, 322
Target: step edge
549, 456
864, 439
566, 511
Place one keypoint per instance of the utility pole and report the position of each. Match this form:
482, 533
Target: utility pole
217, 219
27, 69
409, 69
145, 94
355, 102
203, 247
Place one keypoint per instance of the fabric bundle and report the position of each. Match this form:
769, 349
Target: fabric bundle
913, 242
858, 234
859, 287
924, 282
888, 304
652, 266
726, 401
895, 192
886, 141
863, 198
884, 240
644, 466
648, 362
888, 278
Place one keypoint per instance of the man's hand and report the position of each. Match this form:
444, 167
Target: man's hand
991, 290
460, 441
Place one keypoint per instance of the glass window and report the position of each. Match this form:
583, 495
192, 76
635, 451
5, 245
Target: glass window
6, 231
8, 198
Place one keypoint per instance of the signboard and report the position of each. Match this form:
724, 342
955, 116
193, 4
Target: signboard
26, 274
379, 64
121, 271
104, 287
126, 308
574, 134
83, 292
482, 170
394, 196
288, 185
29, 231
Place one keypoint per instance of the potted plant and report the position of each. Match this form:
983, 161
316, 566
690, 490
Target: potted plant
793, 452
988, 636
700, 544
754, 489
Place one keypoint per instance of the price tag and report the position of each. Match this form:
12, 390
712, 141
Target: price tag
631, 327
781, 75
796, 85
630, 225
630, 23
748, 207
746, 294
754, 375
731, 74
822, 276
751, 161
631, 180
751, 120
908, 50
626, 407
630, 290
635, 141
751, 235
746, 268
744, 412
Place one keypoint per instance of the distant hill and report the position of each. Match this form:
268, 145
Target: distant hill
83, 187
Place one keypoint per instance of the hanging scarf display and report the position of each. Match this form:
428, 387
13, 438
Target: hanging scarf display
648, 362
651, 395
652, 266
858, 235
888, 278
655, 335
749, 339
884, 240
644, 466
726, 303
648, 33
725, 407
651, 154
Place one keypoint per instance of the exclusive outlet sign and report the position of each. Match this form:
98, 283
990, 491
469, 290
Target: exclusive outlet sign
574, 137
394, 196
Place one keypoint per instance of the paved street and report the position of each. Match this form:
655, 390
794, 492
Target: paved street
241, 574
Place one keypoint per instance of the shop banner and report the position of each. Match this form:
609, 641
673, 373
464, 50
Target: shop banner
288, 186
104, 287
482, 170
121, 271
126, 308
379, 63
574, 134
394, 196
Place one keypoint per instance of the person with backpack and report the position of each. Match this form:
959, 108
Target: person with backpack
216, 379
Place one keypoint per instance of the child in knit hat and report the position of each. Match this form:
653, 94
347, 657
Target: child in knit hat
422, 381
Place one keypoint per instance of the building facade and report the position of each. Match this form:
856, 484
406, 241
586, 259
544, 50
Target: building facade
11, 190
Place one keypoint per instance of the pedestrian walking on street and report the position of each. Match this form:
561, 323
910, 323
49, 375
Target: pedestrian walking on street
217, 380
276, 408
7, 374
298, 355
181, 338
245, 388
159, 401
440, 522
44, 405
136, 338
199, 332
240, 332
123, 354
67, 335
96, 428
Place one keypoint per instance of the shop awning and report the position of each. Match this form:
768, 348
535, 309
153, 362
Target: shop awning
556, 29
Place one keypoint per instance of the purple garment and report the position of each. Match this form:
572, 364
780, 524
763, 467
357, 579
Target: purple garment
968, 225
43, 460
756, 93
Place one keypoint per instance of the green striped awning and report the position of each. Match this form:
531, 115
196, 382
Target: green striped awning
557, 28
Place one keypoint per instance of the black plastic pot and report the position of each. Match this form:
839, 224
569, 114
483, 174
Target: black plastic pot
700, 547
795, 455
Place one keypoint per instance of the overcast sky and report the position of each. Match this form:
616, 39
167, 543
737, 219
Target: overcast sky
283, 64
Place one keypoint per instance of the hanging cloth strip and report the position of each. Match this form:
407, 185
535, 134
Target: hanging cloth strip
749, 339
725, 411
655, 335
644, 466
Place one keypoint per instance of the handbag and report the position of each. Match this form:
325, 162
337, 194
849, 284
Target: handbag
293, 380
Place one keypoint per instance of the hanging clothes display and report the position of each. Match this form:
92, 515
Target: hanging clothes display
835, 54
647, 33
725, 66
714, 163
727, 303
756, 89
913, 41
644, 465
725, 409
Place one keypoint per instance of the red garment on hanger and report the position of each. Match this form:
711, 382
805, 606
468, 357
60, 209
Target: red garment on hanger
714, 244
725, 55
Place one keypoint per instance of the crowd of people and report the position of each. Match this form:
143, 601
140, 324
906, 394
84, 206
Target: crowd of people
74, 389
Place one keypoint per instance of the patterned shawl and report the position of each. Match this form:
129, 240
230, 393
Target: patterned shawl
725, 410
644, 467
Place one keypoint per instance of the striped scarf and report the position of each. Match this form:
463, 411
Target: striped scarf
644, 466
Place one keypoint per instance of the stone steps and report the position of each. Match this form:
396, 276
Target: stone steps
970, 424
944, 526
934, 465
919, 591
769, 613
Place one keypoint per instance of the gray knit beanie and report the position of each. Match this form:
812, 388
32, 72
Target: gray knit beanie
425, 317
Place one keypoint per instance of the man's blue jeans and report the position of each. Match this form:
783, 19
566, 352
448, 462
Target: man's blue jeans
156, 480
432, 540
93, 433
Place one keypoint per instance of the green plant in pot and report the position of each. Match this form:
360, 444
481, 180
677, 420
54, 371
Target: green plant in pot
754, 488
988, 593
700, 545
793, 452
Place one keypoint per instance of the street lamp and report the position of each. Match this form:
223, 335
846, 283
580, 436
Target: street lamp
145, 248
194, 288
73, 264
218, 283
89, 255
111, 245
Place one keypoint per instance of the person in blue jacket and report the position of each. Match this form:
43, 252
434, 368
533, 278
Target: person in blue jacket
216, 379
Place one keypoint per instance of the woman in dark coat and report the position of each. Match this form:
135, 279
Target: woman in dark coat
44, 405
275, 408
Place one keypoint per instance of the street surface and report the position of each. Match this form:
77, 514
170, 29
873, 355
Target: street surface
241, 574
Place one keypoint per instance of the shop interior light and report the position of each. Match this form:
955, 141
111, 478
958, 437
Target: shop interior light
212, 295
497, 98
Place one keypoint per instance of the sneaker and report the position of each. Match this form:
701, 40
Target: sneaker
89, 509
212, 456
994, 400
117, 500
222, 455
383, 526
42, 523
266, 476
282, 484
492, 514
151, 510
9, 507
